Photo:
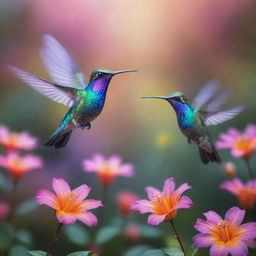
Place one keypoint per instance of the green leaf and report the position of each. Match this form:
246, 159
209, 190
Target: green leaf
81, 253
26, 207
137, 250
106, 234
154, 253
173, 251
149, 232
6, 235
76, 234
192, 250
37, 253
24, 236
18, 249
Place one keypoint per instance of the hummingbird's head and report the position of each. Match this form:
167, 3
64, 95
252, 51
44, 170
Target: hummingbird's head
172, 98
105, 74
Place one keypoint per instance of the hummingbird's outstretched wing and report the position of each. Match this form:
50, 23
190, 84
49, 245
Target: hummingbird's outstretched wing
214, 118
205, 95
218, 100
60, 94
60, 65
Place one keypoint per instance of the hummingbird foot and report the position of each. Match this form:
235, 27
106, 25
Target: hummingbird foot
88, 127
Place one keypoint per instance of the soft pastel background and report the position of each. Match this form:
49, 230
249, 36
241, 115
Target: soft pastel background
176, 46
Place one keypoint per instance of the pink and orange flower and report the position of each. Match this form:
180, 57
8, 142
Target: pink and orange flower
19, 165
241, 144
4, 210
12, 141
69, 204
125, 200
245, 192
163, 204
225, 236
230, 170
107, 170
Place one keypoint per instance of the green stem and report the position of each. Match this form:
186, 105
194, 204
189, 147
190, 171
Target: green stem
13, 203
249, 168
178, 237
54, 240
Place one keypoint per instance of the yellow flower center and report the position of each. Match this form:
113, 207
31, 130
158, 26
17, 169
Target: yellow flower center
243, 143
72, 196
225, 233
163, 205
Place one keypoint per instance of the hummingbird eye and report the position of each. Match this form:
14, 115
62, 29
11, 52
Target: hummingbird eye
100, 74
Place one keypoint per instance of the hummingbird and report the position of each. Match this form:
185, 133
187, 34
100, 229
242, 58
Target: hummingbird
204, 111
85, 101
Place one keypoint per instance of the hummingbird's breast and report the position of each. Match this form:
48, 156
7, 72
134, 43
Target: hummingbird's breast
90, 107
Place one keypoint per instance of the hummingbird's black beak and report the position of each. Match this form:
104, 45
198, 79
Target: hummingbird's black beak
156, 97
123, 71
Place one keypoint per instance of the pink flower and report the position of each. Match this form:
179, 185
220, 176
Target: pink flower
245, 192
163, 204
241, 144
12, 141
225, 236
69, 204
125, 200
19, 165
107, 169
4, 210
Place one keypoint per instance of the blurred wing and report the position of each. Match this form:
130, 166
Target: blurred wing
214, 118
205, 94
217, 101
60, 65
54, 92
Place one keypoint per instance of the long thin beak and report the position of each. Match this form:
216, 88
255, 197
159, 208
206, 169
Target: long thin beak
123, 71
155, 97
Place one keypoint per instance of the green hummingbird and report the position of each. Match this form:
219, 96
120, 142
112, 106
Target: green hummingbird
85, 101
194, 118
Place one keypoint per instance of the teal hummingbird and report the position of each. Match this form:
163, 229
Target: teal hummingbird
204, 111
85, 101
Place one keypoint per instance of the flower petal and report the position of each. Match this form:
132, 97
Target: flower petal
238, 249
204, 226
218, 250
92, 204
212, 217
82, 192
184, 202
249, 230
152, 192
65, 218
233, 186
142, 206
202, 240
177, 193
46, 197
88, 218
169, 187
60, 186
154, 219
126, 170
235, 216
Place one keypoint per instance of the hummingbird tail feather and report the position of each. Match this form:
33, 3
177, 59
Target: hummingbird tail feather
58, 140
207, 157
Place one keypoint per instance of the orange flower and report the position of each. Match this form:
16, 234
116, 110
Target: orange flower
20, 165
107, 169
69, 204
246, 193
241, 144
230, 170
226, 235
163, 204
12, 141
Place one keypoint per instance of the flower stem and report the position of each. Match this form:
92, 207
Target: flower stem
54, 240
249, 168
13, 203
178, 237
